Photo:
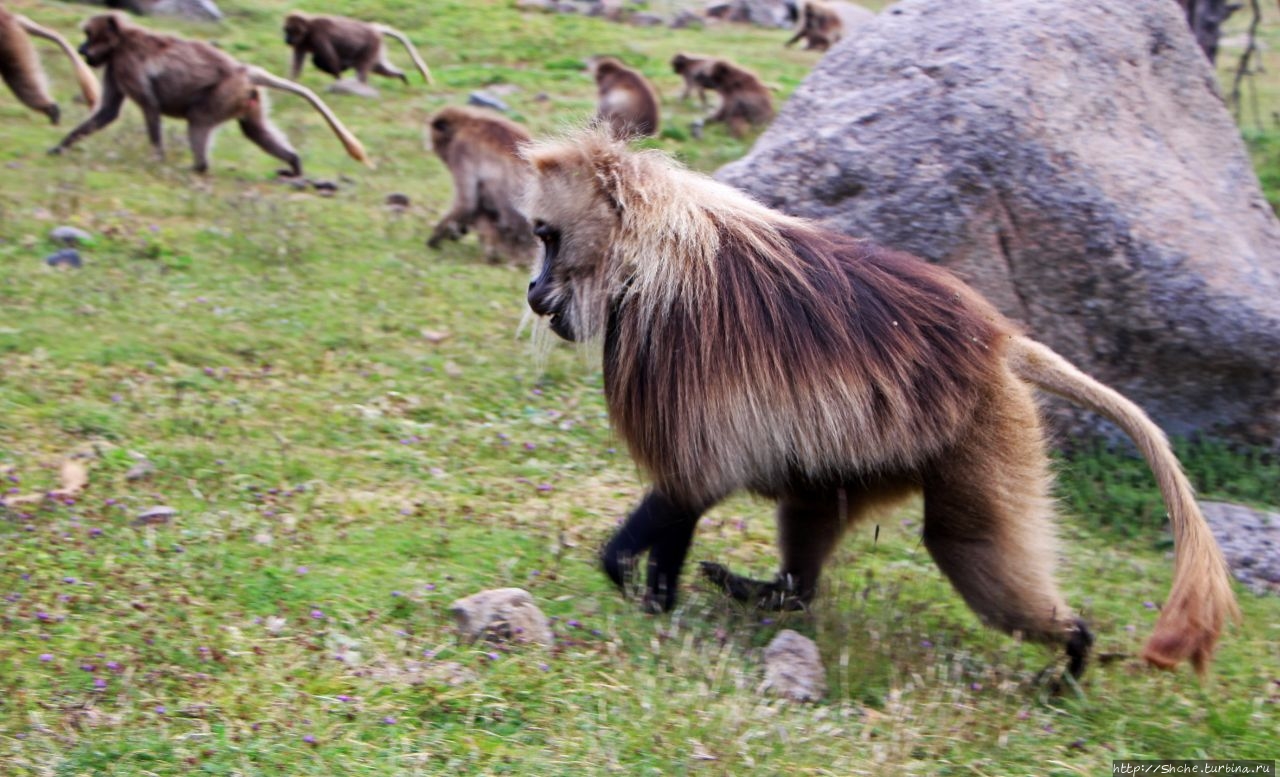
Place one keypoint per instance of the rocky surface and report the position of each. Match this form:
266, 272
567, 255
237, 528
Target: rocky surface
504, 615
1250, 540
1075, 162
793, 668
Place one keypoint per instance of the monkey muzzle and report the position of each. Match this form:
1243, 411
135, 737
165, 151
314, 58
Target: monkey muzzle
542, 302
544, 297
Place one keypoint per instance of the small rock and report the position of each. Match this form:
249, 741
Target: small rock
793, 668
486, 100
535, 5
541, 97
1250, 542
70, 236
685, 18
325, 188
397, 201
143, 469
67, 257
352, 87
646, 20
502, 614
155, 515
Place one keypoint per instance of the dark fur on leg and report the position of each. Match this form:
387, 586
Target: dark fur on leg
664, 529
777, 594
1079, 645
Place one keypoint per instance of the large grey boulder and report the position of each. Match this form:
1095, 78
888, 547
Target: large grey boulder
194, 10
1076, 163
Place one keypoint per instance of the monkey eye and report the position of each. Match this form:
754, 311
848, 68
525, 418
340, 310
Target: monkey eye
439, 125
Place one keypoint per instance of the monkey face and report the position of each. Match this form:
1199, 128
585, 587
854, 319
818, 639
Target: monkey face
549, 295
679, 62
102, 35
577, 223
441, 133
294, 30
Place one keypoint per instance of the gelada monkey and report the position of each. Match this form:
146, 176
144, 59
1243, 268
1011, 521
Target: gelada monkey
20, 67
191, 80
748, 350
481, 150
337, 44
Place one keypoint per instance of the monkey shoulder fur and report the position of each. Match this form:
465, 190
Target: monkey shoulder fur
191, 80
20, 65
746, 349
481, 150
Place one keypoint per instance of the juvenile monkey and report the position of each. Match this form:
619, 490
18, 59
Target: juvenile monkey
689, 66
191, 80
20, 66
820, 26
337, 44
481, 151
744, 99
628, 103
745, 349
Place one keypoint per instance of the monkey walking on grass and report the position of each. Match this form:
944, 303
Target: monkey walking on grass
337, 44
191, 80
749, 350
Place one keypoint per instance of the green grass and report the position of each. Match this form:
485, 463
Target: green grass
340, 478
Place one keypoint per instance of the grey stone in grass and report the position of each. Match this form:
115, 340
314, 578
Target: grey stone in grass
487, 100
70, 236
67, 257
793, 668
155, 515
502, 615
352, 87
1250, 541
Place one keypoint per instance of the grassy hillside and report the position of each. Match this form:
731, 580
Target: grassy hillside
352, 435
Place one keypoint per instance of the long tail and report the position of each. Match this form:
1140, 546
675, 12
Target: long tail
392, 32
260, 77
88, 82
1201, 600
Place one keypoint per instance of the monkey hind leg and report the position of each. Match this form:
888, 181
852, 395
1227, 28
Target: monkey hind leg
259, 129
30, 89
385, 68
989, 526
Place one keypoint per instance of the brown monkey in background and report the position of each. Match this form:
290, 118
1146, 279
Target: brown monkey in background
192, 80
748, 350
820, 26
481, 151
337, 44
20, 66
688, 67
744, 99
628, 102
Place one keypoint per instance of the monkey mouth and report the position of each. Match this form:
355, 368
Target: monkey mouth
560, 325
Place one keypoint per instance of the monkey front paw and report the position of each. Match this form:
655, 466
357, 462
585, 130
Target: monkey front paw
445, 231
1079, 645
776, 594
